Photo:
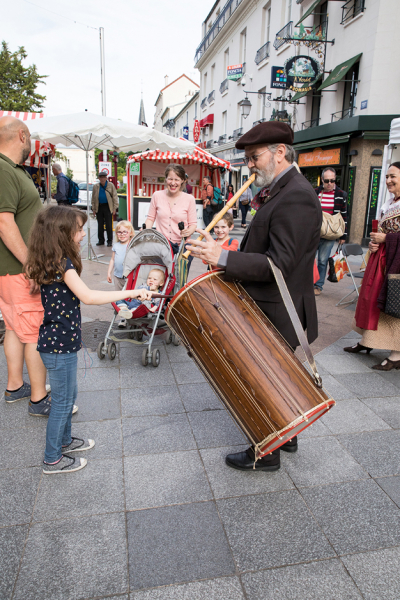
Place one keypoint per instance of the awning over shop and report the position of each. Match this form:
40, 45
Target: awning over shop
208, 120
198, 156
308, 12
339, 72
340, 139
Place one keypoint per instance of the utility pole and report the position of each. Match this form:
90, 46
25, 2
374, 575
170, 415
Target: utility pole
103, 74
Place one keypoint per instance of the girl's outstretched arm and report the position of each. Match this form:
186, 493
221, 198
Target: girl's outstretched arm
111, 268
87, 296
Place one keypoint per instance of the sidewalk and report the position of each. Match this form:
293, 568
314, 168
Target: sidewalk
156, 514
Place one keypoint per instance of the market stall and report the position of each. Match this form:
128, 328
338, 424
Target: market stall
145, 175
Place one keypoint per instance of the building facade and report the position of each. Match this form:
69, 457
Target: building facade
343, 121
170, 101
75, 159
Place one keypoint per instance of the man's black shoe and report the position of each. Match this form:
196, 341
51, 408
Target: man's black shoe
100, 244
244, 461
290, 446
109, 243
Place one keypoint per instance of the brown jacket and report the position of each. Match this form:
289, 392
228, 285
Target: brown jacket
111, 194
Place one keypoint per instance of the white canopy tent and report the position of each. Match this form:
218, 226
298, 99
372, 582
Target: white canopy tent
89, 131
391, 154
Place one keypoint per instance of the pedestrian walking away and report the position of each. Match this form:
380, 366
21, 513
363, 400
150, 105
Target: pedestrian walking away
62, 185
282, 232
244, 205
60, 333
333, 200
104, 207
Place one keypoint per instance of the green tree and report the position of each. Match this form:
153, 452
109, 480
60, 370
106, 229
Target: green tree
18, 83
69, 173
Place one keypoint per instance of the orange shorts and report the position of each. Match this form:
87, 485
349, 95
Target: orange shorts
22, 313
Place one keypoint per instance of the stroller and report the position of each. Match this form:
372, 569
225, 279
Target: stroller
149, 248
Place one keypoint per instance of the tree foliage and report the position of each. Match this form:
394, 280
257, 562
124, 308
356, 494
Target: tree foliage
18, 83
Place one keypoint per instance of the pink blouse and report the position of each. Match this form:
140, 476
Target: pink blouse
183, 209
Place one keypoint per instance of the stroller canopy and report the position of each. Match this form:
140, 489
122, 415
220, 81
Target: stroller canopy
148, 246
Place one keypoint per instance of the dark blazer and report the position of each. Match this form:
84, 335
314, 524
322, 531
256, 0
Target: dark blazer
287, 229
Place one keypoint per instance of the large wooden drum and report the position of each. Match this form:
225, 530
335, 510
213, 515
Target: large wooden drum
268, 392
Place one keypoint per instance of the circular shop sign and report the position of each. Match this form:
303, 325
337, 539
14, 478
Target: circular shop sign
302, 73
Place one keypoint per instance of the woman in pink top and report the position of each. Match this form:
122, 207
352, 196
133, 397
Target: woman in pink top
171, 206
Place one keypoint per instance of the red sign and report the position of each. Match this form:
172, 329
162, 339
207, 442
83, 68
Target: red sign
196, 131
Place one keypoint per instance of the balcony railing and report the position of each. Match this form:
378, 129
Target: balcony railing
212, 33
224, 86
343, 114
351, 9
262, 53
310, 123
203, 103
210, 144
222, 139
237, 133
283, 35
211, 97
258, 122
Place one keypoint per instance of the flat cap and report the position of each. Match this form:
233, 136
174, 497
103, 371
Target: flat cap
103, 174
271, 132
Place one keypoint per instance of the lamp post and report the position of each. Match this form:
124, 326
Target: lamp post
246, 107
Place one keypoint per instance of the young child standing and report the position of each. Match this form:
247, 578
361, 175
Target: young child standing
54, 263
154, 283
222, 230
124, 232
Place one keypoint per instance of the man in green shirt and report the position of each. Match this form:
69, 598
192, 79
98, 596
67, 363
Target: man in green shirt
20, 300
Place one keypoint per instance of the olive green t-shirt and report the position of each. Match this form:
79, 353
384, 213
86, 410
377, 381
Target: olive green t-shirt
18, 195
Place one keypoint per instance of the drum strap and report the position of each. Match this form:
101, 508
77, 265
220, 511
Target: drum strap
294, 317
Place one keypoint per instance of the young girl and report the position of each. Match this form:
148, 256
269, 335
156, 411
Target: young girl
54, 263
125, 232
222, 229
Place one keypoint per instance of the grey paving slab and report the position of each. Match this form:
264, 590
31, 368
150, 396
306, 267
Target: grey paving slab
353, 335
226, 482
187, 372
215, 428
12, 540
90, 360
149, 435
177, 354
139, 376
319, 461
388, 409
98, 488
18, 492
325, 579
336, 389
368, 385
177, 544
227, 588
22, 447
391, 485
199, 396
377, 451
140, 401
356, 516
15, 415
272, 530
90, 380
352, 416
171, 478
317, 429
106, 434
88, 559
100, 405
131, 355
338, 365
392, 377
377, 574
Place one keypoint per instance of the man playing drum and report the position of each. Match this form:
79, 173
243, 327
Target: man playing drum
286, 228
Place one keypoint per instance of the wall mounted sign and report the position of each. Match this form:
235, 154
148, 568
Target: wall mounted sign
364, 104
105, 166
278, 78
134, 168
302, 73
185, 130
196, 131
319, 158
234, 72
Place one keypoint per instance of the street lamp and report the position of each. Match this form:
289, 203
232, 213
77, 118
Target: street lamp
246, 107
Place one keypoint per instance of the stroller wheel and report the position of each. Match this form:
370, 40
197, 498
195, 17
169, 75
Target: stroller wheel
101, 351
168, 339
112, 351
145, 358
155, 358
176, 340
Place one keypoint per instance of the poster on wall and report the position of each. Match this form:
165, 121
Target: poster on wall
234, 72
302, 73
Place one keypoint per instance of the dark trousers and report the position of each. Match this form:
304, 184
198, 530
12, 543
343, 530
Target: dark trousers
208, 215
104, 215
244, 210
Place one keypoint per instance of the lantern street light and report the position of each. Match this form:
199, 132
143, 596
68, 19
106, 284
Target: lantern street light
246, 107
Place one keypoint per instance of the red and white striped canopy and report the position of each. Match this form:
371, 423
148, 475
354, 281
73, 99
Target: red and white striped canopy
24, 116
38, 149
198, 156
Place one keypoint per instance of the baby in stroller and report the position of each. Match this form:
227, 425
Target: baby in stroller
155, 282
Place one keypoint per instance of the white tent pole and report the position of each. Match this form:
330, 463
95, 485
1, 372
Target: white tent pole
87, 205
103, 75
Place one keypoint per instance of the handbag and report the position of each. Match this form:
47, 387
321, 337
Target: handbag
392, 307
333, 226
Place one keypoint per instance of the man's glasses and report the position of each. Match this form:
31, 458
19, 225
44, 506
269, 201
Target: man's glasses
329, 180
254, 158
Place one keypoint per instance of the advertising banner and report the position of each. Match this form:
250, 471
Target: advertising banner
319, 158
196, 131
278, 78
186, 132
234, 72
302, 73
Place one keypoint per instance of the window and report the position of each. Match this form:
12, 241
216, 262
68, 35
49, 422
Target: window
205, 84
212, 77
261, 104
351, 9
315, 108
243, 42
289, 11
266, 24
224, 122
187, 117
195, 110
226, 62
350, 92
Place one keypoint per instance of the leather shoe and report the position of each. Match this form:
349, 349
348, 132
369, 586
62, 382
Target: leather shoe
290, 446
100, 244
244, 461
109, 244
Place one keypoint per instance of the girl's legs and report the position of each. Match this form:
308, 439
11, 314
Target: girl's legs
62, 369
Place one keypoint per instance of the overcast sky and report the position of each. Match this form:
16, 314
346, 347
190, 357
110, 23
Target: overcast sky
144, 41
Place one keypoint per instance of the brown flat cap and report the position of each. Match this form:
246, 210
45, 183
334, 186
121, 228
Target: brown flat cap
271, 132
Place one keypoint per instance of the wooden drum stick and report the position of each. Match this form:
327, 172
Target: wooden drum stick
227, 206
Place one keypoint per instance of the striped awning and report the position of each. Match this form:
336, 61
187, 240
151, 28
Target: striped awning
24, 116
198, 156
38, 149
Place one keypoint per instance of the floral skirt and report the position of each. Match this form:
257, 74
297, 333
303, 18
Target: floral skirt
386, 337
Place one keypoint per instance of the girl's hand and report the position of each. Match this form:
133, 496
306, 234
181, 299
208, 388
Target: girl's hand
142, 294
109, 279
373, 247
378, 238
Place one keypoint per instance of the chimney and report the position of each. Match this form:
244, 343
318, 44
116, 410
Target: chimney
165, 80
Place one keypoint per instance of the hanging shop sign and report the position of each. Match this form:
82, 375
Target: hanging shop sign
319, 158
302, 73
234, 72
186, 132
278, 78
196, 131
134, 168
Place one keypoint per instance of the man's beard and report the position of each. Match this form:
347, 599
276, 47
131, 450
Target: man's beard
265, 176
25, 153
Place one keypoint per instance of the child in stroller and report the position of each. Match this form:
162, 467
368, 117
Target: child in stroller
155, 282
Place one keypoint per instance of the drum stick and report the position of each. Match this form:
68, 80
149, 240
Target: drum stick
227, 206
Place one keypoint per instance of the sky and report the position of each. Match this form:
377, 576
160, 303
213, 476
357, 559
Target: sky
144, 41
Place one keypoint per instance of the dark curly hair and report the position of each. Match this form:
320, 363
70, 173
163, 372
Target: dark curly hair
51, 242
